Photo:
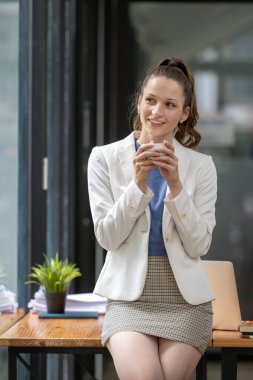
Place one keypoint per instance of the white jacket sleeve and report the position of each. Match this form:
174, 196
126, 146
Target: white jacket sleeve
194, 217
113, 218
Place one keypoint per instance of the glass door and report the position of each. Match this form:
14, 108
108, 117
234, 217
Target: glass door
9, 14
216, 40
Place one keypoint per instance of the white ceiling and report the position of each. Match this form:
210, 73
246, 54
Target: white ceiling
183, 29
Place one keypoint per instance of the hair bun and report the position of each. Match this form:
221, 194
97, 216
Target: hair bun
175, 62
165, 62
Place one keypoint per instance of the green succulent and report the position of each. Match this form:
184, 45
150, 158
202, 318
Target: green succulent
54, 275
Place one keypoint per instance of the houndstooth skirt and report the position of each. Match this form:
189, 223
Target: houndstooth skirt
161, 311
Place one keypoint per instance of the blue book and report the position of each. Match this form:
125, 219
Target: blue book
81, 314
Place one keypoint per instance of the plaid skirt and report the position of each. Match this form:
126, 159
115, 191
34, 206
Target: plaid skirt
161, 311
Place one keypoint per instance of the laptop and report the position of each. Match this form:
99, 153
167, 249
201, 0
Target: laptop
226, 307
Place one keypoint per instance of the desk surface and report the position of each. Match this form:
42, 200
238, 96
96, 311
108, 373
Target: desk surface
9, 319
31, 331
230, 339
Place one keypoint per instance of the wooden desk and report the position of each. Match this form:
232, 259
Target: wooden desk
34, 335
231, 339
232, 345
9, 319
82, 336
71, 336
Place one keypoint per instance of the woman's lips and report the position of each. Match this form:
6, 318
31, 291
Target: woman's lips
156, 123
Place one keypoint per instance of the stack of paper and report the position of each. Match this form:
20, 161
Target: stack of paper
74, 303
8, 302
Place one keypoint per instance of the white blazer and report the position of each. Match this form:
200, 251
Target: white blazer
121, 217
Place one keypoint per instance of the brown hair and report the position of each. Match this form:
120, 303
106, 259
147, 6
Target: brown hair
176, 69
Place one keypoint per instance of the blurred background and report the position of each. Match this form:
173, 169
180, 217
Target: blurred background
68, 69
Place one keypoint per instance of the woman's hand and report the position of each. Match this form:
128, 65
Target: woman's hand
143, 163
168, 164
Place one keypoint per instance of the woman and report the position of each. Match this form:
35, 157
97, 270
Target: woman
153, 208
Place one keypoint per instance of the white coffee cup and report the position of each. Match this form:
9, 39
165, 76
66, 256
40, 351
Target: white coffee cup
156, 146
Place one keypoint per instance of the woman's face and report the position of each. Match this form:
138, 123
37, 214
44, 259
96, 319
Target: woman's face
161, 107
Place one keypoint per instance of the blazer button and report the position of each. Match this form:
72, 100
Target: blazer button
183, 216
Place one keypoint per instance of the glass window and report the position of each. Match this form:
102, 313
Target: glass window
8, 139
8, 149
216, 40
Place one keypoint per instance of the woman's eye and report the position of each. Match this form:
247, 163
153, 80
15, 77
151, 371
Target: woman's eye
169, 105
150, 100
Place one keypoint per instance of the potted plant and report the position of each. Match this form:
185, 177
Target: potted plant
55, 276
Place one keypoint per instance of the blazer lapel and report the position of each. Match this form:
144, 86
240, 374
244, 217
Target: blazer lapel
183, 159
183, 164
126, 153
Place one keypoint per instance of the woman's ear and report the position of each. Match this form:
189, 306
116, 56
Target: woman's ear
185, 114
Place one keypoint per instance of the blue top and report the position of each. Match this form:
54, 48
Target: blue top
159, 186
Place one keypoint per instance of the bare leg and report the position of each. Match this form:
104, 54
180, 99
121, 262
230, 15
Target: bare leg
178, 360
135, 356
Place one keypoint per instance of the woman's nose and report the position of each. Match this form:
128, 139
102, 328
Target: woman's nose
157, 109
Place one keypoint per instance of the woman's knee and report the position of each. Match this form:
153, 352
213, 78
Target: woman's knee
178, 360
135, 356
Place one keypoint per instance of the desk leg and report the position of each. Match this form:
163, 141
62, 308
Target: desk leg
12, 364
228, 364
201, 369
43, 369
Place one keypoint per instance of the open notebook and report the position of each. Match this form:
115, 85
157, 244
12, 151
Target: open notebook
226, 307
